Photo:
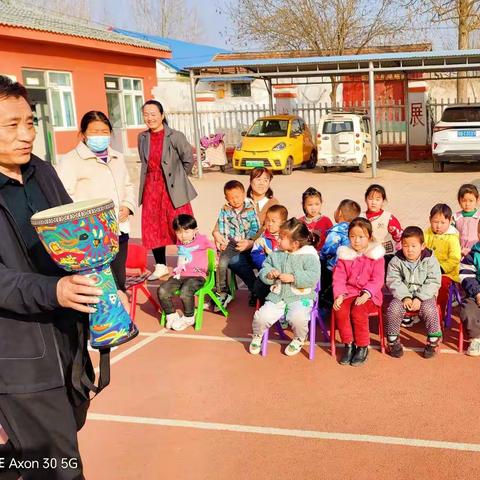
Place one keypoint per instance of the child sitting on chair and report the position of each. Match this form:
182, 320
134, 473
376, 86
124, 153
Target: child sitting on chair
357, 289
413, 278
189, 274
267, 243
292, 273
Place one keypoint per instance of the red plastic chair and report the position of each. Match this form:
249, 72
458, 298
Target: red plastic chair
137, 260
378, 313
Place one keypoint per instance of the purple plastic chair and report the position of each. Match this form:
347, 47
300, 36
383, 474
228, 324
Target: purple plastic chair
453, 293
315, 318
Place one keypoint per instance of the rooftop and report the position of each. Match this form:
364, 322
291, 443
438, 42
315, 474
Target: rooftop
20, 15
183, 53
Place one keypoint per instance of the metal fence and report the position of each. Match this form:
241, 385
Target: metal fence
390, 118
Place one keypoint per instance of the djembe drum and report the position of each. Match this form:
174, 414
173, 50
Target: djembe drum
82, 237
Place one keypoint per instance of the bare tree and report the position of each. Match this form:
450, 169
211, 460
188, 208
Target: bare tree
318, 25
465, 14
168, 18
74, 8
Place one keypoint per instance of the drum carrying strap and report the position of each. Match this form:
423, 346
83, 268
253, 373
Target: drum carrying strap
104, 374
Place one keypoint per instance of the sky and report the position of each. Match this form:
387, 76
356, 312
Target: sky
118, 12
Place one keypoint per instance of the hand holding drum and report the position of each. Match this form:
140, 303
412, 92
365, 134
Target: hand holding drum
83, 237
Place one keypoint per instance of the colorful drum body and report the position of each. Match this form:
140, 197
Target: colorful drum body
82, 237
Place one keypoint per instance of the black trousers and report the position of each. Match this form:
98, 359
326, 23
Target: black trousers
187, 286
42, 435
118, 264
470, 316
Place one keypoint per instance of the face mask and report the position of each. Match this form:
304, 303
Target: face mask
98, 143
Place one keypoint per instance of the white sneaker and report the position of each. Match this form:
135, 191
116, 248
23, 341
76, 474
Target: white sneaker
255, 345
294, 347
160, 271
182, 323
474, 348
171, 319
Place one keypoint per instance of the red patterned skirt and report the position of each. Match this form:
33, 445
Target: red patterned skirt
158, 213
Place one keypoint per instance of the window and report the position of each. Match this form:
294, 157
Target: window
60, 92
241, 90
337, 127
269, 128
461, 114
130, 91
296, 127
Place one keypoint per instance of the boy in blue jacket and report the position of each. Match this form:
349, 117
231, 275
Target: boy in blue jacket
337, 236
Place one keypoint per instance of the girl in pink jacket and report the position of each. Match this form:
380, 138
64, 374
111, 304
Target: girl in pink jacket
357, 289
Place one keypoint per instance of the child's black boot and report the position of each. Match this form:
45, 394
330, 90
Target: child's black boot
348, 353
361, 354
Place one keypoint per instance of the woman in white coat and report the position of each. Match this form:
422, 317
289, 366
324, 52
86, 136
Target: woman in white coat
94, 170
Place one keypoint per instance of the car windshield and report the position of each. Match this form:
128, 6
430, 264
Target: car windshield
337, 126
269, 128
461, 114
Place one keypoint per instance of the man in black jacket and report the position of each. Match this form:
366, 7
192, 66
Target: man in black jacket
44, 363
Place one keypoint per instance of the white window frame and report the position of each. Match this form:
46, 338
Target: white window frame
132, 94
61, 89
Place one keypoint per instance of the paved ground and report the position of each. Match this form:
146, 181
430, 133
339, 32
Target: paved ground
196, 405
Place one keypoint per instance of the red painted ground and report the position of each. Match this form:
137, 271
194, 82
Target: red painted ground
218, 381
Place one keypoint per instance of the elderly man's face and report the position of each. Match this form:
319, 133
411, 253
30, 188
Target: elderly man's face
17, 132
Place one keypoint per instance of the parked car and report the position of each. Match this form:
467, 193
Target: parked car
344, 140
456, 137
278, 142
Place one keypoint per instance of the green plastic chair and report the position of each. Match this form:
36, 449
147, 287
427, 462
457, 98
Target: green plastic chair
207, 289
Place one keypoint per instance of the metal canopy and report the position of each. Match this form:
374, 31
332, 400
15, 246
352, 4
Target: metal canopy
382, 63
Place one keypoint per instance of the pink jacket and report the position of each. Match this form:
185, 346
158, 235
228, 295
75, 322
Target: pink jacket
356, 272
192, 258
467, 228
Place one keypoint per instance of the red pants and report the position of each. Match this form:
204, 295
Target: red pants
352, 321
442, 297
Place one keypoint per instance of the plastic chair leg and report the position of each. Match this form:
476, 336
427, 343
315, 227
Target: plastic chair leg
133, 303
264, 343
323, 326
199, 313
460, 337
217, 302
380, 330
149, 296
313, 332
163, 319
333, 349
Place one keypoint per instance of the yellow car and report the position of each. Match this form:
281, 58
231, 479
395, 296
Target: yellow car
278, 142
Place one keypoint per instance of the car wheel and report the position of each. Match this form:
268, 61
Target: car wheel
312, 161
362, 168
438, 166
223, 168
288, 167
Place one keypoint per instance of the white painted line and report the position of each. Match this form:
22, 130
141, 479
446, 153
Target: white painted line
286, 432
135, 347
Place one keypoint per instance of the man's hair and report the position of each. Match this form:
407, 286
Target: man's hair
350, 209
441, 209
280, 209
185, 222
467, 188
232, 185
9, 88
413, 232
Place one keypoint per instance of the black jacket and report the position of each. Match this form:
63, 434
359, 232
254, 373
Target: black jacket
38, 339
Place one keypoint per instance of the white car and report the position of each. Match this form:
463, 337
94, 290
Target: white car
344, 140
456, 137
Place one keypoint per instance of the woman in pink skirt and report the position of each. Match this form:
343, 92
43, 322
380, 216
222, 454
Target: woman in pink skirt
165, 190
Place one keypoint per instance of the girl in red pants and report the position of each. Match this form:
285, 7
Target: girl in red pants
357, 289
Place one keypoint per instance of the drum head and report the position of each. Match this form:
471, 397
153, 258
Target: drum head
71, 211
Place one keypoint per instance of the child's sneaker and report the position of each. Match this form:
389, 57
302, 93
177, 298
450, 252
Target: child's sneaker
294, 347
182, 323
408, 322
171, 318
225, 298
430, 350
474, 347
255, 345
395, 349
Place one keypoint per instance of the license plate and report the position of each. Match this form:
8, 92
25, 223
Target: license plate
254, 163
466, 133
